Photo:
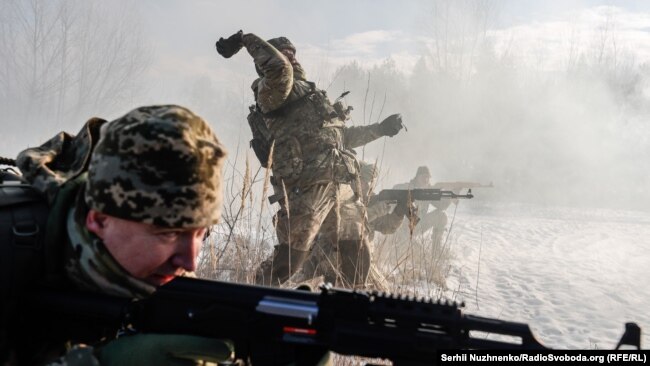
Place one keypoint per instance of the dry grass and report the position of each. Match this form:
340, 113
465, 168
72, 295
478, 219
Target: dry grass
413, 265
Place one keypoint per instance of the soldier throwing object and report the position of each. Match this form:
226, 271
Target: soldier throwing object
312, 162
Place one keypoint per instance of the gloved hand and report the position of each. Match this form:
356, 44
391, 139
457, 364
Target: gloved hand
391, 125
164, 349
402, 209
231, 45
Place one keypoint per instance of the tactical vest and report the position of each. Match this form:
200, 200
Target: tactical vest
307, 133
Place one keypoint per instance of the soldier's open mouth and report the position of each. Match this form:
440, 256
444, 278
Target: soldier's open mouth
158, 280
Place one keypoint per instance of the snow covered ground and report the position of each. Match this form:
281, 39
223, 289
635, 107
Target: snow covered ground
575, 275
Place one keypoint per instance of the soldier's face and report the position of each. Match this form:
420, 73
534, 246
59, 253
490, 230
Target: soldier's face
291, 56
150, 253
422, 179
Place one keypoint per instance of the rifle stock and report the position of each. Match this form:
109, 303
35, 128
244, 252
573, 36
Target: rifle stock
271, 326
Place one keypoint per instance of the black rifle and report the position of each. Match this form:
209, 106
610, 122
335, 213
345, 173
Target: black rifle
270, 326
404, 196
460, 185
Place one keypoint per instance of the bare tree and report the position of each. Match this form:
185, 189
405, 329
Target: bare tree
458, 30
63, 60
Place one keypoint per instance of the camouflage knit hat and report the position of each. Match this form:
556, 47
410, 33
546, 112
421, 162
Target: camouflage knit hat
281, 43
423, 170
158, 165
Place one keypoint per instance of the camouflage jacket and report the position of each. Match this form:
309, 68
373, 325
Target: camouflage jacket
311, 142
382, 219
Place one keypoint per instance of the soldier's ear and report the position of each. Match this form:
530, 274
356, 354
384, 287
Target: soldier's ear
96, 222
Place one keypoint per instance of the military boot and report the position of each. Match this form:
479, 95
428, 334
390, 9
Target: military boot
277, 269
354, 262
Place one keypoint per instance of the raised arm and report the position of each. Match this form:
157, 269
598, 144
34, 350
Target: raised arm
276, 80
276, 73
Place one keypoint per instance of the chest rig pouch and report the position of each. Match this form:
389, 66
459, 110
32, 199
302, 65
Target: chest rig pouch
262, 139
308, 135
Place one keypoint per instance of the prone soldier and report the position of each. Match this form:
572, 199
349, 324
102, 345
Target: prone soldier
127, 203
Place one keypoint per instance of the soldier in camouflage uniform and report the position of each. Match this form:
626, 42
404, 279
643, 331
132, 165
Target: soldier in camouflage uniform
312, 162
382, 217
436, 219
130, 202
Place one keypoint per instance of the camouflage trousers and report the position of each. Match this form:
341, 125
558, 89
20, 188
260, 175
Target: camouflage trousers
435, 220
330, 210
326, 263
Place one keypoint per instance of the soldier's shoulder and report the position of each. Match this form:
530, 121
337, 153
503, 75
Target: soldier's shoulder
303, 87
255, 85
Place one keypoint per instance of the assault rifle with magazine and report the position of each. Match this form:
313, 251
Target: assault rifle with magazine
270, 326
417, 194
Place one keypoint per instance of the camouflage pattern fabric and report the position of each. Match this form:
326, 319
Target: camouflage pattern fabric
274, 87
318, 208
60, 159
309, 146
158, 165
312, 143
325, 259
281, 43
357, 136
383, 218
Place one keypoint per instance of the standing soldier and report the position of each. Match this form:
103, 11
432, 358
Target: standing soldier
314, 168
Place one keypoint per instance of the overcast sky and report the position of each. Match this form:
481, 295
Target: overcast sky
335, 32
557, 122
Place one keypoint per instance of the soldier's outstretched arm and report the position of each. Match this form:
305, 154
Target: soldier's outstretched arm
387, 224
357, 136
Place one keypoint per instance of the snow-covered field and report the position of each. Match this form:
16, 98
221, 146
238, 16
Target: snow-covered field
575, 275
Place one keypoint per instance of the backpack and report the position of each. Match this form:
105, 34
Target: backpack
23, 219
